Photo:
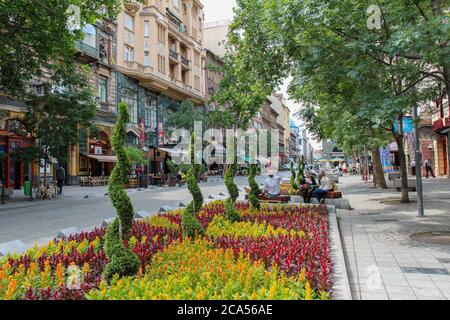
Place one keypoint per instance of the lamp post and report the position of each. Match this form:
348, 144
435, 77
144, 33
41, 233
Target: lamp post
418, 158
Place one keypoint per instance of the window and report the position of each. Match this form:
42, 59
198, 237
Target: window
161, 64
146, 58
196, 58
176, 3
150, 113
129, 54
184, 8
130, 98
90, 35
129, 21
197, 83
146, 29
161, 34
103, 90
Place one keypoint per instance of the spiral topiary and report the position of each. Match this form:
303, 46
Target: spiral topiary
294, 185
255, 191
191, 226
233, 191
122, 260
301, 171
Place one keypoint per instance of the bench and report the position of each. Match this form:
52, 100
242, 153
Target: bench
279, 199
333, 195
411, 184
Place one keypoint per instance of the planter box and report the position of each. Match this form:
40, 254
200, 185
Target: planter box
393, 176
411, 184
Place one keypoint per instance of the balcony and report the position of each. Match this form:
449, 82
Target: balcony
185, 61
87, 53
173, 54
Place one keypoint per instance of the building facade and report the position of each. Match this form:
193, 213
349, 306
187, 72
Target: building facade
93, 156
160, 63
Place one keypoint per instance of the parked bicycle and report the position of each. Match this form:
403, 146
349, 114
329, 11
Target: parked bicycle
48, 191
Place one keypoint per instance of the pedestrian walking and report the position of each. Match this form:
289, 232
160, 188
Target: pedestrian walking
413, 167
60, 177
429, 168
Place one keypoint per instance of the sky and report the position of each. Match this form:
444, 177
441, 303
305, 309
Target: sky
216, 10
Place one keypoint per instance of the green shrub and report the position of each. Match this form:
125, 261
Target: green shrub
121, 260
301, 171
294, 185
191, 226
233, 191
255, 191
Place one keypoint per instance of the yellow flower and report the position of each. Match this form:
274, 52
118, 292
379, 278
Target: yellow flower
308, 291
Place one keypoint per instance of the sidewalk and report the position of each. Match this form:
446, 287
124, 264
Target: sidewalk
20, 201
383, 261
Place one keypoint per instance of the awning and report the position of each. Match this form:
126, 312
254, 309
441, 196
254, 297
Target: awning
101, 158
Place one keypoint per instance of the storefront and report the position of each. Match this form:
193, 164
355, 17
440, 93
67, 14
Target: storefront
14, 167
440, 145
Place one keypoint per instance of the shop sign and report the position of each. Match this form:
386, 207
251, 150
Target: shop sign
98, 150
438, 125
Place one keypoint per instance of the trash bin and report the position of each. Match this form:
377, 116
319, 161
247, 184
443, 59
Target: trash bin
27, 188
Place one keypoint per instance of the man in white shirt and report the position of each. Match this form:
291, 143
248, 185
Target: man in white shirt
272, 185
325, 186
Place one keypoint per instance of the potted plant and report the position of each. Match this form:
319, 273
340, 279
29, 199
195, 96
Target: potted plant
173, 172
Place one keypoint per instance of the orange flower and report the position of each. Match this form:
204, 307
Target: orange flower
60, 274
12, 287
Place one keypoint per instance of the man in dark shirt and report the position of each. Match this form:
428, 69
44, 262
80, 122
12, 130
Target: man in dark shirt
60, 177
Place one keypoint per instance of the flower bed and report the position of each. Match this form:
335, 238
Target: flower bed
281, 252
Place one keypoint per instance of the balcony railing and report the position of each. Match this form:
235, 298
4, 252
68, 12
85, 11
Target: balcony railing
173, 54
185, 61
87, 49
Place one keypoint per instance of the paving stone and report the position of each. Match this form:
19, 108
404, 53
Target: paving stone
401, 297
399, 290
107, 222
428, 292
164, 209
143, 214
420, 284
64, 233
15, 246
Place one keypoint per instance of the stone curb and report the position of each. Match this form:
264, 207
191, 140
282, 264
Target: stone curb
341, 285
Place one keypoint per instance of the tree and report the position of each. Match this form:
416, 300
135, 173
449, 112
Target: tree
35, 36
186, 116
122, 260
55, 119
404, 59
135, 155
242, 97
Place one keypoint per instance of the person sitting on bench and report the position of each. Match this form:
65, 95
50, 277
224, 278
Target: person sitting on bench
312, 185
325, 187
272, 185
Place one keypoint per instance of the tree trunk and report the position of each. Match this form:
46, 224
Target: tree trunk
379, 180
403, 167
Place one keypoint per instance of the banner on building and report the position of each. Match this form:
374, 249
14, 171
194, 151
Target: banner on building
160, 134
142, 134
386, 160
408, 125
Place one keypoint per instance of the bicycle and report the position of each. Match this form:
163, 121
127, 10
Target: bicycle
48, 192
